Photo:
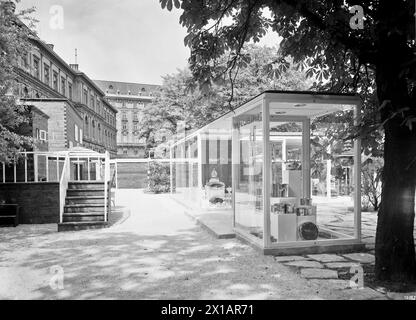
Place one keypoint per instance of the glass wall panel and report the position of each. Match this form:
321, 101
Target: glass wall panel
249, 217
287, 205
332, 174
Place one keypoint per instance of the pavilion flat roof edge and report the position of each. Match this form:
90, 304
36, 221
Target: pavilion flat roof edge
283, 96
312, 97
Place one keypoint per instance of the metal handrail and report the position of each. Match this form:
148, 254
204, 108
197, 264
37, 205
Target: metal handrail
63, 186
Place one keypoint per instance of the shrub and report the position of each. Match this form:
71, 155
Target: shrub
158, 177
371, 173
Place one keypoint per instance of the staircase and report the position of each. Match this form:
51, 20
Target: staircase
84, 206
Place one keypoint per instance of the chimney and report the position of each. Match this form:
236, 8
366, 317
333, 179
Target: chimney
74, 66
50, 45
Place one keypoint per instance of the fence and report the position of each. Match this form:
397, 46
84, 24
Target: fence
61, 167
132, 173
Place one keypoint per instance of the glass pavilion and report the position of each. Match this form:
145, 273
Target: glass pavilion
277, 164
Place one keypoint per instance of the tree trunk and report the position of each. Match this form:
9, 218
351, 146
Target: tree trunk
395, 247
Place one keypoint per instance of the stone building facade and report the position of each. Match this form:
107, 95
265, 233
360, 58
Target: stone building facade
130, 99
44, 79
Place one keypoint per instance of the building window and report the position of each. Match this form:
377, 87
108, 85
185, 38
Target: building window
63, 86
135, 127
85, 97
43, 135
125, 151
124, 126
70, 90
92, 102
36, 67
37, 133
76, 133
124, 115
87, 126
55, 80
46, 74
26, 61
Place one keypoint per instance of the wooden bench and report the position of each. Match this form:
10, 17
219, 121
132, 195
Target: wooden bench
9, 212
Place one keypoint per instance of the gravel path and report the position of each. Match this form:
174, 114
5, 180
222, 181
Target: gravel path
154, 251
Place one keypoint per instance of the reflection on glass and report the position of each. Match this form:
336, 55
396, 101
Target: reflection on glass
249, 175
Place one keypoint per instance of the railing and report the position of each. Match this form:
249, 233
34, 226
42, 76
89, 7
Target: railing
63, 187
60, 167
34, 167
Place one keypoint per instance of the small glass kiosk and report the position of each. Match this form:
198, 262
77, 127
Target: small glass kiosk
293, 185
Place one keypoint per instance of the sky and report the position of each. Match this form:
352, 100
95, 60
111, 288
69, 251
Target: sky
118, 40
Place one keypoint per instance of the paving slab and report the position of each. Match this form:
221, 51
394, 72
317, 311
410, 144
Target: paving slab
289, 258
334, 284
326, 257
361, 257
314, 273
362, 294
340, 265
304, 264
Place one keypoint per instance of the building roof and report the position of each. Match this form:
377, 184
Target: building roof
126, 88
64, 100
38, 111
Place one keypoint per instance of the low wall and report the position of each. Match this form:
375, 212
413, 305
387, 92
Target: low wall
38, 202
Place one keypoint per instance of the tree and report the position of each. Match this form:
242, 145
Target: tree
377, 61
13, 44
372, 171
181, 100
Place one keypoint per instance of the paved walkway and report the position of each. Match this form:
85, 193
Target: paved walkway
152, 251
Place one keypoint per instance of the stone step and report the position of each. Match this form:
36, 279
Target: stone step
84, 192
76, 226
86, 185
84, 200
92, 207
82, 217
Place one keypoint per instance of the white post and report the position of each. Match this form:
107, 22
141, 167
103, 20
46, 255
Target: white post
47, 167
106, 180
4, 172
35, 166
25, 166
266, 172
328, 178
235, 162
78, 171
200, 154
171, 169
14, 171
306, 157
357, 177
57, 168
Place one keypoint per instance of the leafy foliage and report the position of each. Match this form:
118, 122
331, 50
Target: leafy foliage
158, 177
13, 44
182, 100
371, 171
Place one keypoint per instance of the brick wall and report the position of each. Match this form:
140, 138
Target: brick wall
39, 202
56, 125
73, 118
40, 121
